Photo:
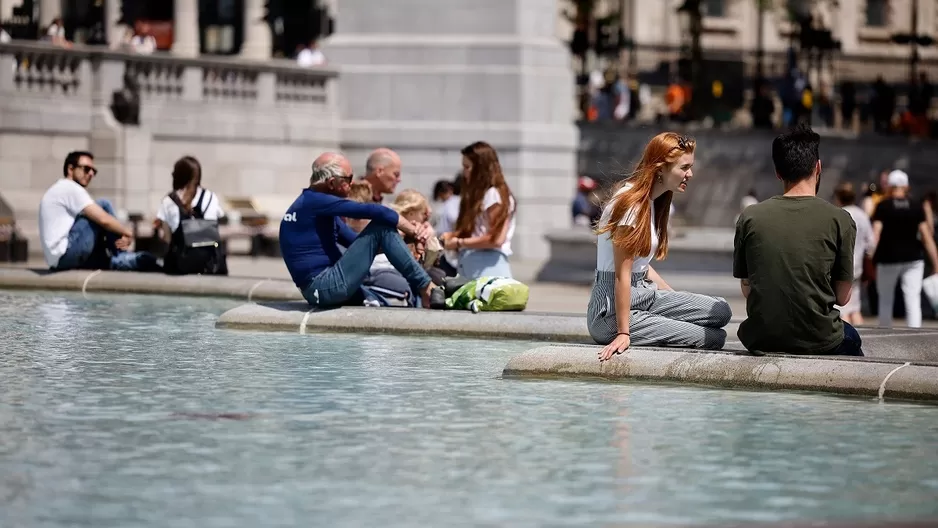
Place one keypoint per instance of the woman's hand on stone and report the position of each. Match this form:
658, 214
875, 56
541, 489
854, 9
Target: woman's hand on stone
618, 345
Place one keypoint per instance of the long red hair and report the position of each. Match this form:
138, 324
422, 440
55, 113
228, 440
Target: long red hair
663, 150
486, 173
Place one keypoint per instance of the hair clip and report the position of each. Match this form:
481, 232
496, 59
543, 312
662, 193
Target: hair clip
683, 142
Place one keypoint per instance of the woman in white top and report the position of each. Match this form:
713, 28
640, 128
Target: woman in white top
630, 303
486, 221
187, 186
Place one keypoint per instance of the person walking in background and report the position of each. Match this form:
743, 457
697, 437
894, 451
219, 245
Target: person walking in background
630, 304
793, 255
763, 107
848, 104
586, 209
845, 196
877, 192
902, 238
486, 222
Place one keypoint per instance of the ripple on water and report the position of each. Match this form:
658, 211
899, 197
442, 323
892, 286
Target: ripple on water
136, 411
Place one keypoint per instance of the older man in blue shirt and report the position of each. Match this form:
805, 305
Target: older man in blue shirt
312, 231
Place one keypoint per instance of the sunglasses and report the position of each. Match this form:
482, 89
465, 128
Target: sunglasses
683, 142
88, 169
345, 179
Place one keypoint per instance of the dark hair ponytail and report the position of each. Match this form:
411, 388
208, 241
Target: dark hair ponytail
186, 171
187, 174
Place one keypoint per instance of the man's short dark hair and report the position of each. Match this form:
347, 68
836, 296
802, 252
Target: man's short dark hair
72, 160
796, 154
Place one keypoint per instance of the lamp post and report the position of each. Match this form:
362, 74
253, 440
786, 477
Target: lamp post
760, 45
691, 17
913, 39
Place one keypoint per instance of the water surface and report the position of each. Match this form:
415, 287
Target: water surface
109, 416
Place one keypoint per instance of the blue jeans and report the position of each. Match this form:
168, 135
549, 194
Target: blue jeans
341, 282
90, 246
851, 344
475, 263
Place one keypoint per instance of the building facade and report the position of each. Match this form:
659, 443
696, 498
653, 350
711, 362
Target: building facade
864, 28
425, 81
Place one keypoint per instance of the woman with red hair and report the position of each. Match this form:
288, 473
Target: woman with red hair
486, 221
630, 303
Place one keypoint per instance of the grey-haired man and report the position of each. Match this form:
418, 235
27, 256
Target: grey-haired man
312, 231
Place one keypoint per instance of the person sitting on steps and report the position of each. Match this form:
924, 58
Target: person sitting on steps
312, 230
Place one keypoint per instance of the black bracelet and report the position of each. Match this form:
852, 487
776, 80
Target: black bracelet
623, 333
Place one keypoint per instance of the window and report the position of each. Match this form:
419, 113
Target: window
714, 8
877, 13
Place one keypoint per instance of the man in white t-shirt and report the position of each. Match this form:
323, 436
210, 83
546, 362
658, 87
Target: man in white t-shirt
79, 233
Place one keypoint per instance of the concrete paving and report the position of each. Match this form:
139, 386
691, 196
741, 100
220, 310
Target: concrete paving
860, 377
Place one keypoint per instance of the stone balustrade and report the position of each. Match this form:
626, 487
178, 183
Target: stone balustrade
92, 74
254, 125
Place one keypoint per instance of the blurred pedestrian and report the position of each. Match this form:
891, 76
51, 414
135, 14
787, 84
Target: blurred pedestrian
845, 196
903, 238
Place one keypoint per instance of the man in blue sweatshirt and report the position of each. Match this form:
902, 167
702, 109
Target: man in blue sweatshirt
312, 231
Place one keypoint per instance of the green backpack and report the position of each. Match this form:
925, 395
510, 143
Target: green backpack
490, 294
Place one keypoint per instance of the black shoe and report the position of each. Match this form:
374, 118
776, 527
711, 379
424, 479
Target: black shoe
451, 284
437, 299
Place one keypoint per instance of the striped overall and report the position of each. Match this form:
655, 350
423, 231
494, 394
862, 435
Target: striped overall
658, 317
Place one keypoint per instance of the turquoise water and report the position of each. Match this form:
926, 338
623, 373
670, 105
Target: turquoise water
109, 405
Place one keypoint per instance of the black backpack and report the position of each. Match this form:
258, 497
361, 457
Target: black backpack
195, 247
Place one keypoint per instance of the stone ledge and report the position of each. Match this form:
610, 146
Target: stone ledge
851, 376
282, 309
149, 283
879, 344
298, 317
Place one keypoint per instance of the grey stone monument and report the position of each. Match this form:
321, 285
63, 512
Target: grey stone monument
428, 77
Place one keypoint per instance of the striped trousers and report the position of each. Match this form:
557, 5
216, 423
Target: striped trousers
657, 317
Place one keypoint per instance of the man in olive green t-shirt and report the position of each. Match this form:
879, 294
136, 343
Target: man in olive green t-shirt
794, 256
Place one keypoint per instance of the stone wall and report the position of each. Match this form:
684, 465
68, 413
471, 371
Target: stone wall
255, 127
729, 163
